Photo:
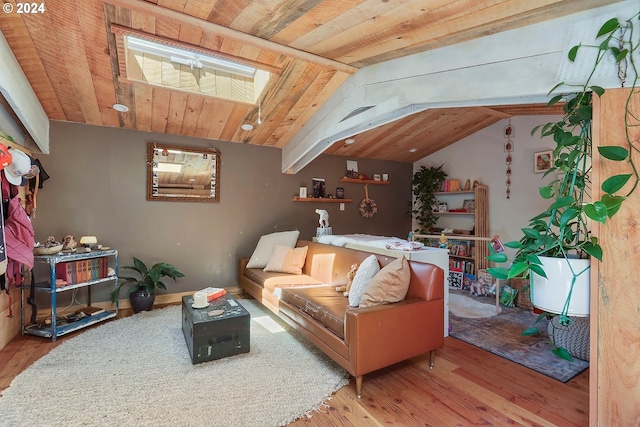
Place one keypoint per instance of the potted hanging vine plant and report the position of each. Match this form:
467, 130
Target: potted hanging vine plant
559, 237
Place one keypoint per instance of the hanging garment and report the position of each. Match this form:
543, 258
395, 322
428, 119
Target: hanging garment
19, 234
3, 249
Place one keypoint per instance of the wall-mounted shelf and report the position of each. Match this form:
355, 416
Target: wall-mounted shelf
364, 181
453, 213
320, 200
449, 193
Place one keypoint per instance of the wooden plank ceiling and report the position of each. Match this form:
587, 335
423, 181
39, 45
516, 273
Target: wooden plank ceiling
70, 56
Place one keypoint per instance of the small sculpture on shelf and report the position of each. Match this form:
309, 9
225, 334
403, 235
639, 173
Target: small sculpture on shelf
69, 243
444, 242
324, 218
324, 228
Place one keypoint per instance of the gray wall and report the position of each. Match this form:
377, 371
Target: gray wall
98, 187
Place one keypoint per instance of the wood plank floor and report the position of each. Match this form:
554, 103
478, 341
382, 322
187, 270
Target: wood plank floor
467, 387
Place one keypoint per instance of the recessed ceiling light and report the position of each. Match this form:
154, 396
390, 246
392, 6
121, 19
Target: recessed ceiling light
413, 150
121, 108
349, 141
247, 126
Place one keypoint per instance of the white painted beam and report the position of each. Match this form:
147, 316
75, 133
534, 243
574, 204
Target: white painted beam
519, 66
16, 89
9, 126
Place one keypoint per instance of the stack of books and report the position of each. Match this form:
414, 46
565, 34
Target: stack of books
83, 270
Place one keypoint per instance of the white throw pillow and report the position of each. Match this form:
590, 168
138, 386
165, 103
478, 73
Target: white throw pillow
365, 273
262, 254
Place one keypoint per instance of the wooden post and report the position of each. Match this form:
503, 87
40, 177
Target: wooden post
615, 296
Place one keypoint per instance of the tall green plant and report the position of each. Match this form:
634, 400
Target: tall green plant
561, 230
426, 182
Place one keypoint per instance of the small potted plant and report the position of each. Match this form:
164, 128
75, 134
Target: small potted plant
141, 292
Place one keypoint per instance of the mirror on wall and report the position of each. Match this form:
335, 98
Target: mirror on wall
182, 173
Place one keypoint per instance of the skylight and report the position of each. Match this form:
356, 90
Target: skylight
171, 66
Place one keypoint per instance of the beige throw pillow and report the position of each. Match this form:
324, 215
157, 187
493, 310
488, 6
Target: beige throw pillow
389, 285
263, 251
287, 260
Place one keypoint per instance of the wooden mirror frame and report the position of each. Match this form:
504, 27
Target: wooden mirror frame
209, 181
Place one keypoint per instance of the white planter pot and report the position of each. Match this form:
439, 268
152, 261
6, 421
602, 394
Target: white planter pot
551, 294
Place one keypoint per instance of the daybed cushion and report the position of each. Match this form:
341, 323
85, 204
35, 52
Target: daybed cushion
321, 303
287, 260
263, 251
367, 269
271, 280
389, 285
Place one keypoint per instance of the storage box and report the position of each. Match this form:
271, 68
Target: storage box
211, 337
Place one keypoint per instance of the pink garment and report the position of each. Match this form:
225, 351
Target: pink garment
19, 234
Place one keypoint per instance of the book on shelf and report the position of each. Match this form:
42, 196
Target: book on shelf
450, 185
82, 270
90, 310
460, 248
463, 266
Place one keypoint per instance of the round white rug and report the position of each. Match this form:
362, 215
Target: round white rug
136, 371
467, 306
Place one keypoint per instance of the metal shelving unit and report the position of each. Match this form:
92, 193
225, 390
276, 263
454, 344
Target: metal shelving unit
55, 329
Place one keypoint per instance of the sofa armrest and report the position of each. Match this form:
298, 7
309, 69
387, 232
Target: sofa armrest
243, 266
385, 334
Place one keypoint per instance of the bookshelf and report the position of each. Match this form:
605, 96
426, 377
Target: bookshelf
469, 229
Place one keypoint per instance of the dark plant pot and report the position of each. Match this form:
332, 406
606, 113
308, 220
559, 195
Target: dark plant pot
141, 300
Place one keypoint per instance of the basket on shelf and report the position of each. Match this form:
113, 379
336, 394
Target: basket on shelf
42, 250
523, 298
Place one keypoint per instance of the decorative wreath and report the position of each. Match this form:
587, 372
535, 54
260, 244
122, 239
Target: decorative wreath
368, 207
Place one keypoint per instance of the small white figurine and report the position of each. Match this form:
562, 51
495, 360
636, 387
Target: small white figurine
324, 218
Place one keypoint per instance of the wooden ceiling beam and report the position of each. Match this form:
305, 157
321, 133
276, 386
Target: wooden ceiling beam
169, 14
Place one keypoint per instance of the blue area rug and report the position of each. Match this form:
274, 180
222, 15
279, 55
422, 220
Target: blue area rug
502, 335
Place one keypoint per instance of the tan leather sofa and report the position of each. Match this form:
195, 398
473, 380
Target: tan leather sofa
361, 340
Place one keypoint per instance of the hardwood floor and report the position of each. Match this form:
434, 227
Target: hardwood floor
467, 387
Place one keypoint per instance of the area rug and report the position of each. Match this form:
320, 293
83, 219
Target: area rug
469, 307
502, 335
136, 371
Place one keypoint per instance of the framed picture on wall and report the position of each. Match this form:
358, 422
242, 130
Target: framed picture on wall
542, 161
